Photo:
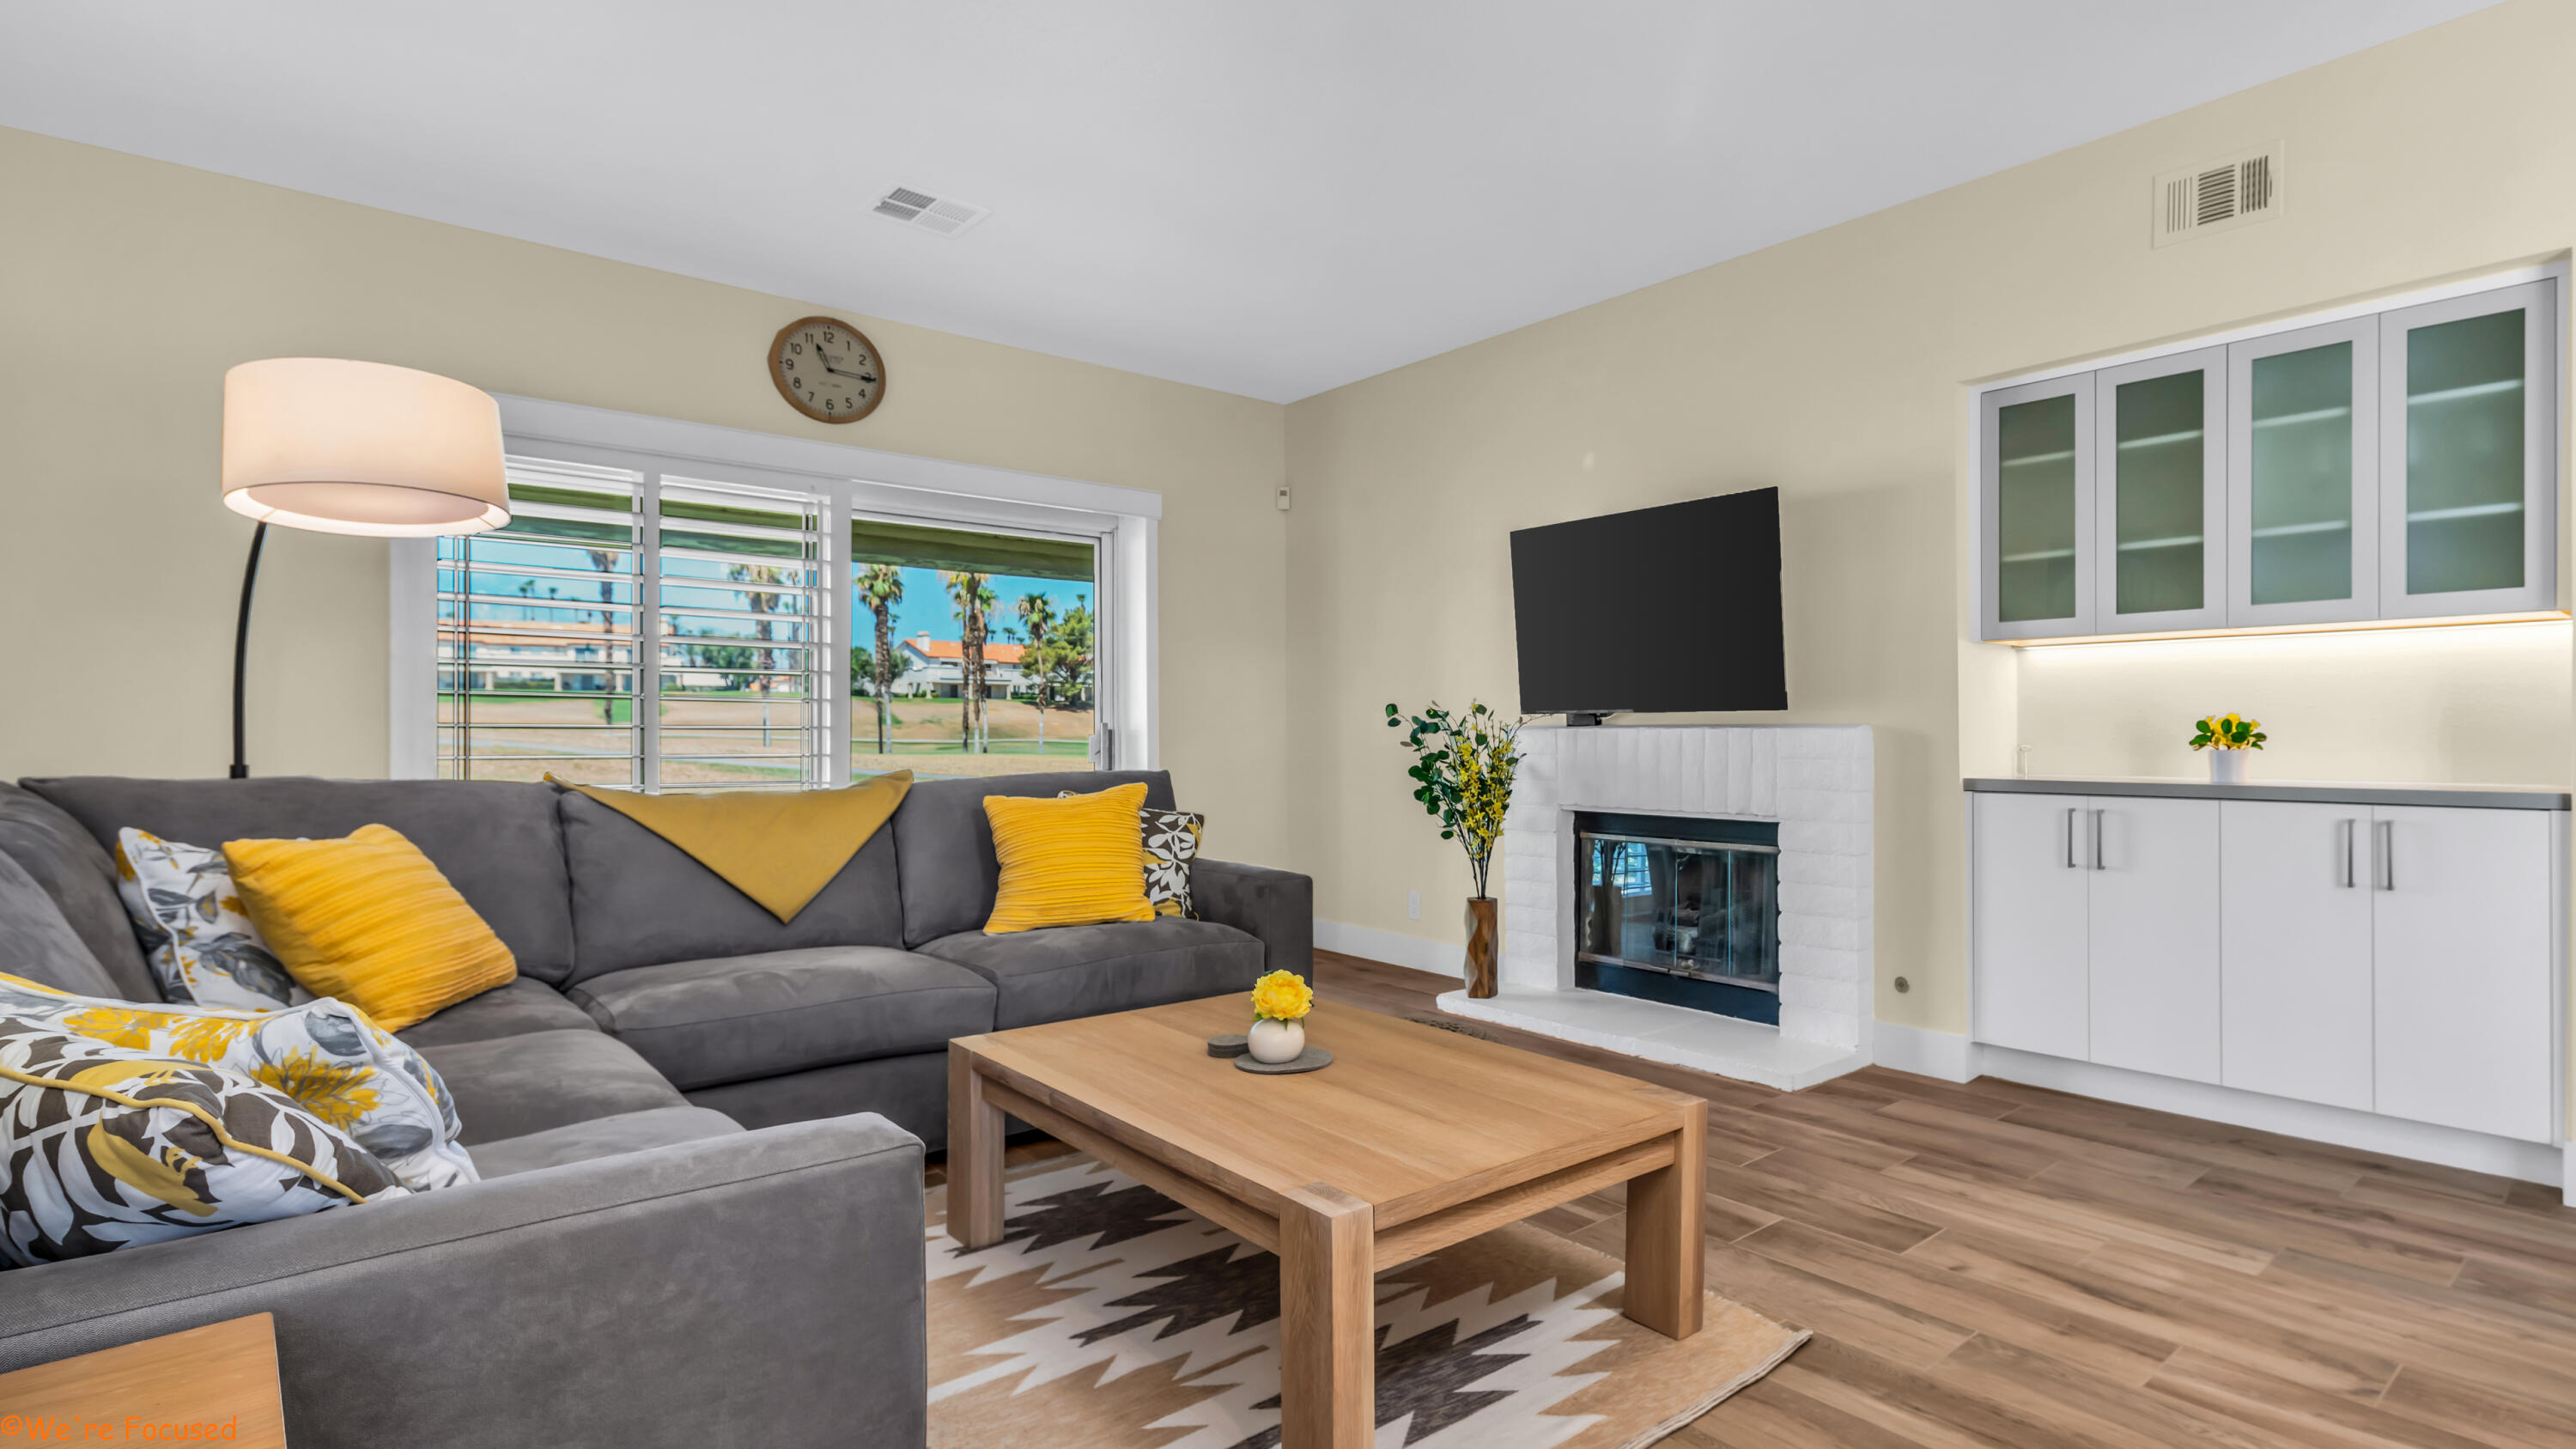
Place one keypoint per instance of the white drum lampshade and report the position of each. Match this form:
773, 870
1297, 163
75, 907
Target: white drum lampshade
336, 446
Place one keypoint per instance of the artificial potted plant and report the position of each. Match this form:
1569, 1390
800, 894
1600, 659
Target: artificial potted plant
1462, 775
2228, 738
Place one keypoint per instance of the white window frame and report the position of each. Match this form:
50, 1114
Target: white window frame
1124, 524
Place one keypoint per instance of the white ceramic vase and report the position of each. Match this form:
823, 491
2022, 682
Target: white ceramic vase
1275, 1042
2227, 767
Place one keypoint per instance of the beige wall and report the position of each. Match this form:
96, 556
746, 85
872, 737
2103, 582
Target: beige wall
127, 287
1836, 366
2482, 704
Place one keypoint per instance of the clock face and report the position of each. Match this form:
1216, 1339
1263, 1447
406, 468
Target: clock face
827, 369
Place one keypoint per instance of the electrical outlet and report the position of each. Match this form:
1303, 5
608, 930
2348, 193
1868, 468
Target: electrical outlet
1413, 905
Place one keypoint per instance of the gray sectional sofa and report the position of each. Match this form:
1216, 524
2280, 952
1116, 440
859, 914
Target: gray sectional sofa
700, 1130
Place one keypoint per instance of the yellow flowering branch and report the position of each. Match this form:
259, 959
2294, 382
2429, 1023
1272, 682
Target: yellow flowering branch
1462, 775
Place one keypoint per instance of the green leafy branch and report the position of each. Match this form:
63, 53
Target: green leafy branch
1462, 775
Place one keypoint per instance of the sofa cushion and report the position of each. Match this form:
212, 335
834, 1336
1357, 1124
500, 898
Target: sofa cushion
497, 843
1075, 971
723, 1020
513, 1085
601, 1137
37, 944
516, 1009
949, 872
639, 900
75, 869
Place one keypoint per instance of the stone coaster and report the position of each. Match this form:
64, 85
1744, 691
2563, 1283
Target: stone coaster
1312, 1059
1228, 1046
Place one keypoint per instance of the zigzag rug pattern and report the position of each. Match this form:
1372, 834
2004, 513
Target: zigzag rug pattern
1109, 1315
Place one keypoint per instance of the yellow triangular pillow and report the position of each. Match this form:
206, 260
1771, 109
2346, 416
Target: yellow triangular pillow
778, 847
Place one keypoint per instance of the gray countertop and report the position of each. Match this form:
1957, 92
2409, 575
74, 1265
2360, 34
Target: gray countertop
2487, 797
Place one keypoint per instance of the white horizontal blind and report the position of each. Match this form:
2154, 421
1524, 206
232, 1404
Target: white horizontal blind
536, 632
744, 582
613, 586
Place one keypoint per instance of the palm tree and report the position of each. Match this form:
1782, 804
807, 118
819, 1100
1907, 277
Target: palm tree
880, 588
605, 560
762, 606
971, 597
1037, 616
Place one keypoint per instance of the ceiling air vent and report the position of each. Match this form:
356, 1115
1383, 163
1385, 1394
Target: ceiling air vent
943, 215
2237, 191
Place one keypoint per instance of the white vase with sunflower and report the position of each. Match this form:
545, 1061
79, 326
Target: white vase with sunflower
1280, 1002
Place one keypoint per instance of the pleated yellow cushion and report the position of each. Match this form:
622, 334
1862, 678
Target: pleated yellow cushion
368, 919
1074, 860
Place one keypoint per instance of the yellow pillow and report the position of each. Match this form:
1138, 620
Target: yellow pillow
369, 920
1071, 861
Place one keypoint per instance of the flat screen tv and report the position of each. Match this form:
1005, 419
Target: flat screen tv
1663, 610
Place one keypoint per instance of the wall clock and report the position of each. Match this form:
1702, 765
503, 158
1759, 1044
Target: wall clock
827, 369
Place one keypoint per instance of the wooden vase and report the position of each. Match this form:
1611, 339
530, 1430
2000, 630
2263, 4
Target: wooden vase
1481, 940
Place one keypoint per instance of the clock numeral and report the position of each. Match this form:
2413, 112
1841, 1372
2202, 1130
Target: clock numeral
809, 397
796, 347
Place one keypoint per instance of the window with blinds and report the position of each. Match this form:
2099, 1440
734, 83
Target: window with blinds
612, 586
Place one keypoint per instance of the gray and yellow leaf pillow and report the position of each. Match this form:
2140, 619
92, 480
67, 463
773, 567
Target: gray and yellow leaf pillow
335, 1062
103, 1148
201, 944
1171, 843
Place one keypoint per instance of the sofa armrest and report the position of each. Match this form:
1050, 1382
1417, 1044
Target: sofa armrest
762, 1287
1277, 906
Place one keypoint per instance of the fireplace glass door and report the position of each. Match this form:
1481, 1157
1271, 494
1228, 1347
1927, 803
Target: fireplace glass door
1705, 909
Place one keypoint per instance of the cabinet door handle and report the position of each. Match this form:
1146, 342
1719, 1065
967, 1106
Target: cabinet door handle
2384, 853
2351, 828
2097, 841
2070, 837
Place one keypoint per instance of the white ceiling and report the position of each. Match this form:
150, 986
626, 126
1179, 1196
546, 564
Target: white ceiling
1273, 199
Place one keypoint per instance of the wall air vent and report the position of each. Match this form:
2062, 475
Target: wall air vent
944, 215
2236, 191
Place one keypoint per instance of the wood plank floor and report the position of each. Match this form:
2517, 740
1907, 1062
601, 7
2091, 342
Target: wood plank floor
1994, 1264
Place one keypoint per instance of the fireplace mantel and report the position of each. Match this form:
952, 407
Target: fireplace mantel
1815, 780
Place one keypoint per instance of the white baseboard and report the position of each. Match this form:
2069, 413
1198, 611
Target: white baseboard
1944, 1055
2450, 1146
1392, 947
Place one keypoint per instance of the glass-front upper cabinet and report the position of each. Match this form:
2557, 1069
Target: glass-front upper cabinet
2160, 476
2038, 525
2303, 495
2468, 453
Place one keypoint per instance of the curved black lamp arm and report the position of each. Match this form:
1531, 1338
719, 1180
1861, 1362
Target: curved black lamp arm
241, 646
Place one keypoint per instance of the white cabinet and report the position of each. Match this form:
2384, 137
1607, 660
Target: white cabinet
2400, 959
2295, 993
2160, 475
2029, 879
2037, 504
2462, 925
2303, 475
2394, 465
2468, 423
2152, 904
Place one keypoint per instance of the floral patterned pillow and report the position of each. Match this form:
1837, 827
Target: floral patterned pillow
1171, 843
202, 947
325, 1054
102, 1148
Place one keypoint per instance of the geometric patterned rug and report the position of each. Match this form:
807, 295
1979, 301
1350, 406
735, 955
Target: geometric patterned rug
1110, 1317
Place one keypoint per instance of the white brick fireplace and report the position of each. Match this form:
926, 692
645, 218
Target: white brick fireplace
1815, 780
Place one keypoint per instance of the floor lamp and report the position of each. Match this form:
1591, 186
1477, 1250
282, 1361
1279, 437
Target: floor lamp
335, 446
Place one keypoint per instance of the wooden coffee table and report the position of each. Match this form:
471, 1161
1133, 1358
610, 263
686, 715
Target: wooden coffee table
1413, 1139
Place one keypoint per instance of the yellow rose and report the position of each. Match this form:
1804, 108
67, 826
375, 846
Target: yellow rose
1282, 996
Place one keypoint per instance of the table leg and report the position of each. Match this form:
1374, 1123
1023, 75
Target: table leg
974, 1156
1327, 1320
1665, 1260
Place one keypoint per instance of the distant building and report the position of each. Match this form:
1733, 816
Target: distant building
937, 667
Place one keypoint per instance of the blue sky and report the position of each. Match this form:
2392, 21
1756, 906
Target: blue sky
925, 605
